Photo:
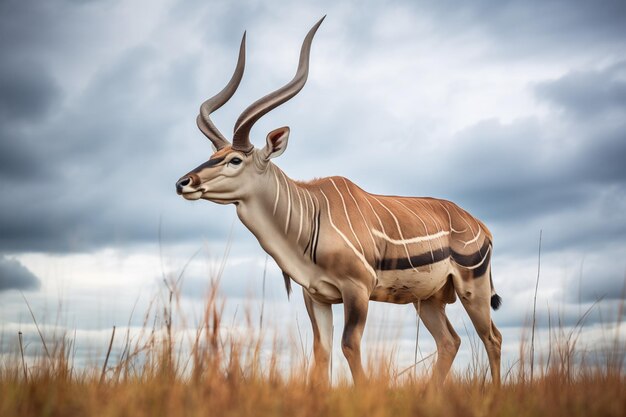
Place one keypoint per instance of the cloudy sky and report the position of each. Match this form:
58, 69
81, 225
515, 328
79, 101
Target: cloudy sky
515, 110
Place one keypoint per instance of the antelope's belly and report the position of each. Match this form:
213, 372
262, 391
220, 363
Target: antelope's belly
410, 285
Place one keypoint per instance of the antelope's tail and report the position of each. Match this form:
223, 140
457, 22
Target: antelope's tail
496, 300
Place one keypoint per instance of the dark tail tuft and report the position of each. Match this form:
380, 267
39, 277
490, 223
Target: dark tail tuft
496, 301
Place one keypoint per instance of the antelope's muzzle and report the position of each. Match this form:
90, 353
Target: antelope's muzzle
186, 184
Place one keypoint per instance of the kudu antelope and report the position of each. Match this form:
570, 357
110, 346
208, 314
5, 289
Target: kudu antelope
344, 245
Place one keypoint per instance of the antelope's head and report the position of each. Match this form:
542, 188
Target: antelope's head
235, 169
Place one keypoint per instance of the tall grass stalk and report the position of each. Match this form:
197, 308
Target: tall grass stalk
21, 342
106, 359
532, 338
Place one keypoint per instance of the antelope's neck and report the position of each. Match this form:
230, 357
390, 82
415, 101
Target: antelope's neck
285, 218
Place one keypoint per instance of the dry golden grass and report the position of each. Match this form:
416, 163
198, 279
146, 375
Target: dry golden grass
214, 374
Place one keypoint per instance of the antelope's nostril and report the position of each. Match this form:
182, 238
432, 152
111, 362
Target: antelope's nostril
181, 183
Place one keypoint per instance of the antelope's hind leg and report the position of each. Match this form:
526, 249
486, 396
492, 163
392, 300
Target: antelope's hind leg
433, 313
475, 295
321, 316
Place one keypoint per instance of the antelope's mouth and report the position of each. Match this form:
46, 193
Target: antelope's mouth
186, 188
192, 195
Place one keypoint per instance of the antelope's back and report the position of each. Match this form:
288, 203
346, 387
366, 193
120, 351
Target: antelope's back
414, 232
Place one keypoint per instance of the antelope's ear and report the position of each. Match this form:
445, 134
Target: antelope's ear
276, 143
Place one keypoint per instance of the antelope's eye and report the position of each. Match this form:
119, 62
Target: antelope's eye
235, 161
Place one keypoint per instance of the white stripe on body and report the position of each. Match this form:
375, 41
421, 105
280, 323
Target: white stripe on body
345, 210
362, 216
479, 263
301, 215
406, 248
473, 240
443, 206
416, 239
277, 191
435, 221
430, 245
471, 229
288, 202
347, 241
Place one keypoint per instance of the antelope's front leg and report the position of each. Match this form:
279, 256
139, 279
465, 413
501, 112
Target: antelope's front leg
321, 316
355, 302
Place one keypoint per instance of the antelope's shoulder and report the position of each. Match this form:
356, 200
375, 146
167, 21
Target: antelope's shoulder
324, 182
335, 188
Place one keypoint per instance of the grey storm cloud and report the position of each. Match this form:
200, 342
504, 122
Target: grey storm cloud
596, 280
15, 276
588, 93
99, 174
526, 28
572, 164
27, 95
27, 91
